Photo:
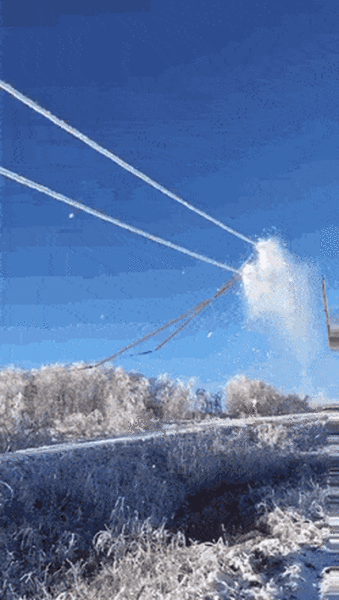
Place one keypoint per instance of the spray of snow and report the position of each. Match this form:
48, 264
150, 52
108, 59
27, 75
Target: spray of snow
278, 294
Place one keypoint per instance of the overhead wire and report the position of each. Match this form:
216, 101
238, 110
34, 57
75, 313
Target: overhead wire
86, 140
101, 215
200, 307
192, 312
38, 187
193, 315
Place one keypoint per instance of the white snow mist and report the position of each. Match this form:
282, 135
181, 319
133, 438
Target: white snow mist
278, 293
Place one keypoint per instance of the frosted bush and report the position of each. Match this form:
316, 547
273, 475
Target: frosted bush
291, 530
79, 424
125, 398
273, 435
11, 387
66, 390
172, 398
248, 396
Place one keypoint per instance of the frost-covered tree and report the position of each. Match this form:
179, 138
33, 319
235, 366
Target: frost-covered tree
245, 396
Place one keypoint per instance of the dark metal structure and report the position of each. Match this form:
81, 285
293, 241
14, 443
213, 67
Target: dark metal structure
333, 333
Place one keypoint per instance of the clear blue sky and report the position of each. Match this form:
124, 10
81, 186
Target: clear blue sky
232, 105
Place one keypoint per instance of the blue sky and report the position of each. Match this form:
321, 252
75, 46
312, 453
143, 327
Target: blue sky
234, 107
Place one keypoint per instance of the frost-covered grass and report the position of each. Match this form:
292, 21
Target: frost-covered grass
131, 560
253, 557
43, 554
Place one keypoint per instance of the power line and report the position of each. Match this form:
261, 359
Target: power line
192, 312
198, 310
100, 215
25, 100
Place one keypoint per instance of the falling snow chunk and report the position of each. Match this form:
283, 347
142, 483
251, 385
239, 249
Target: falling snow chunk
71, 215
277, 293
